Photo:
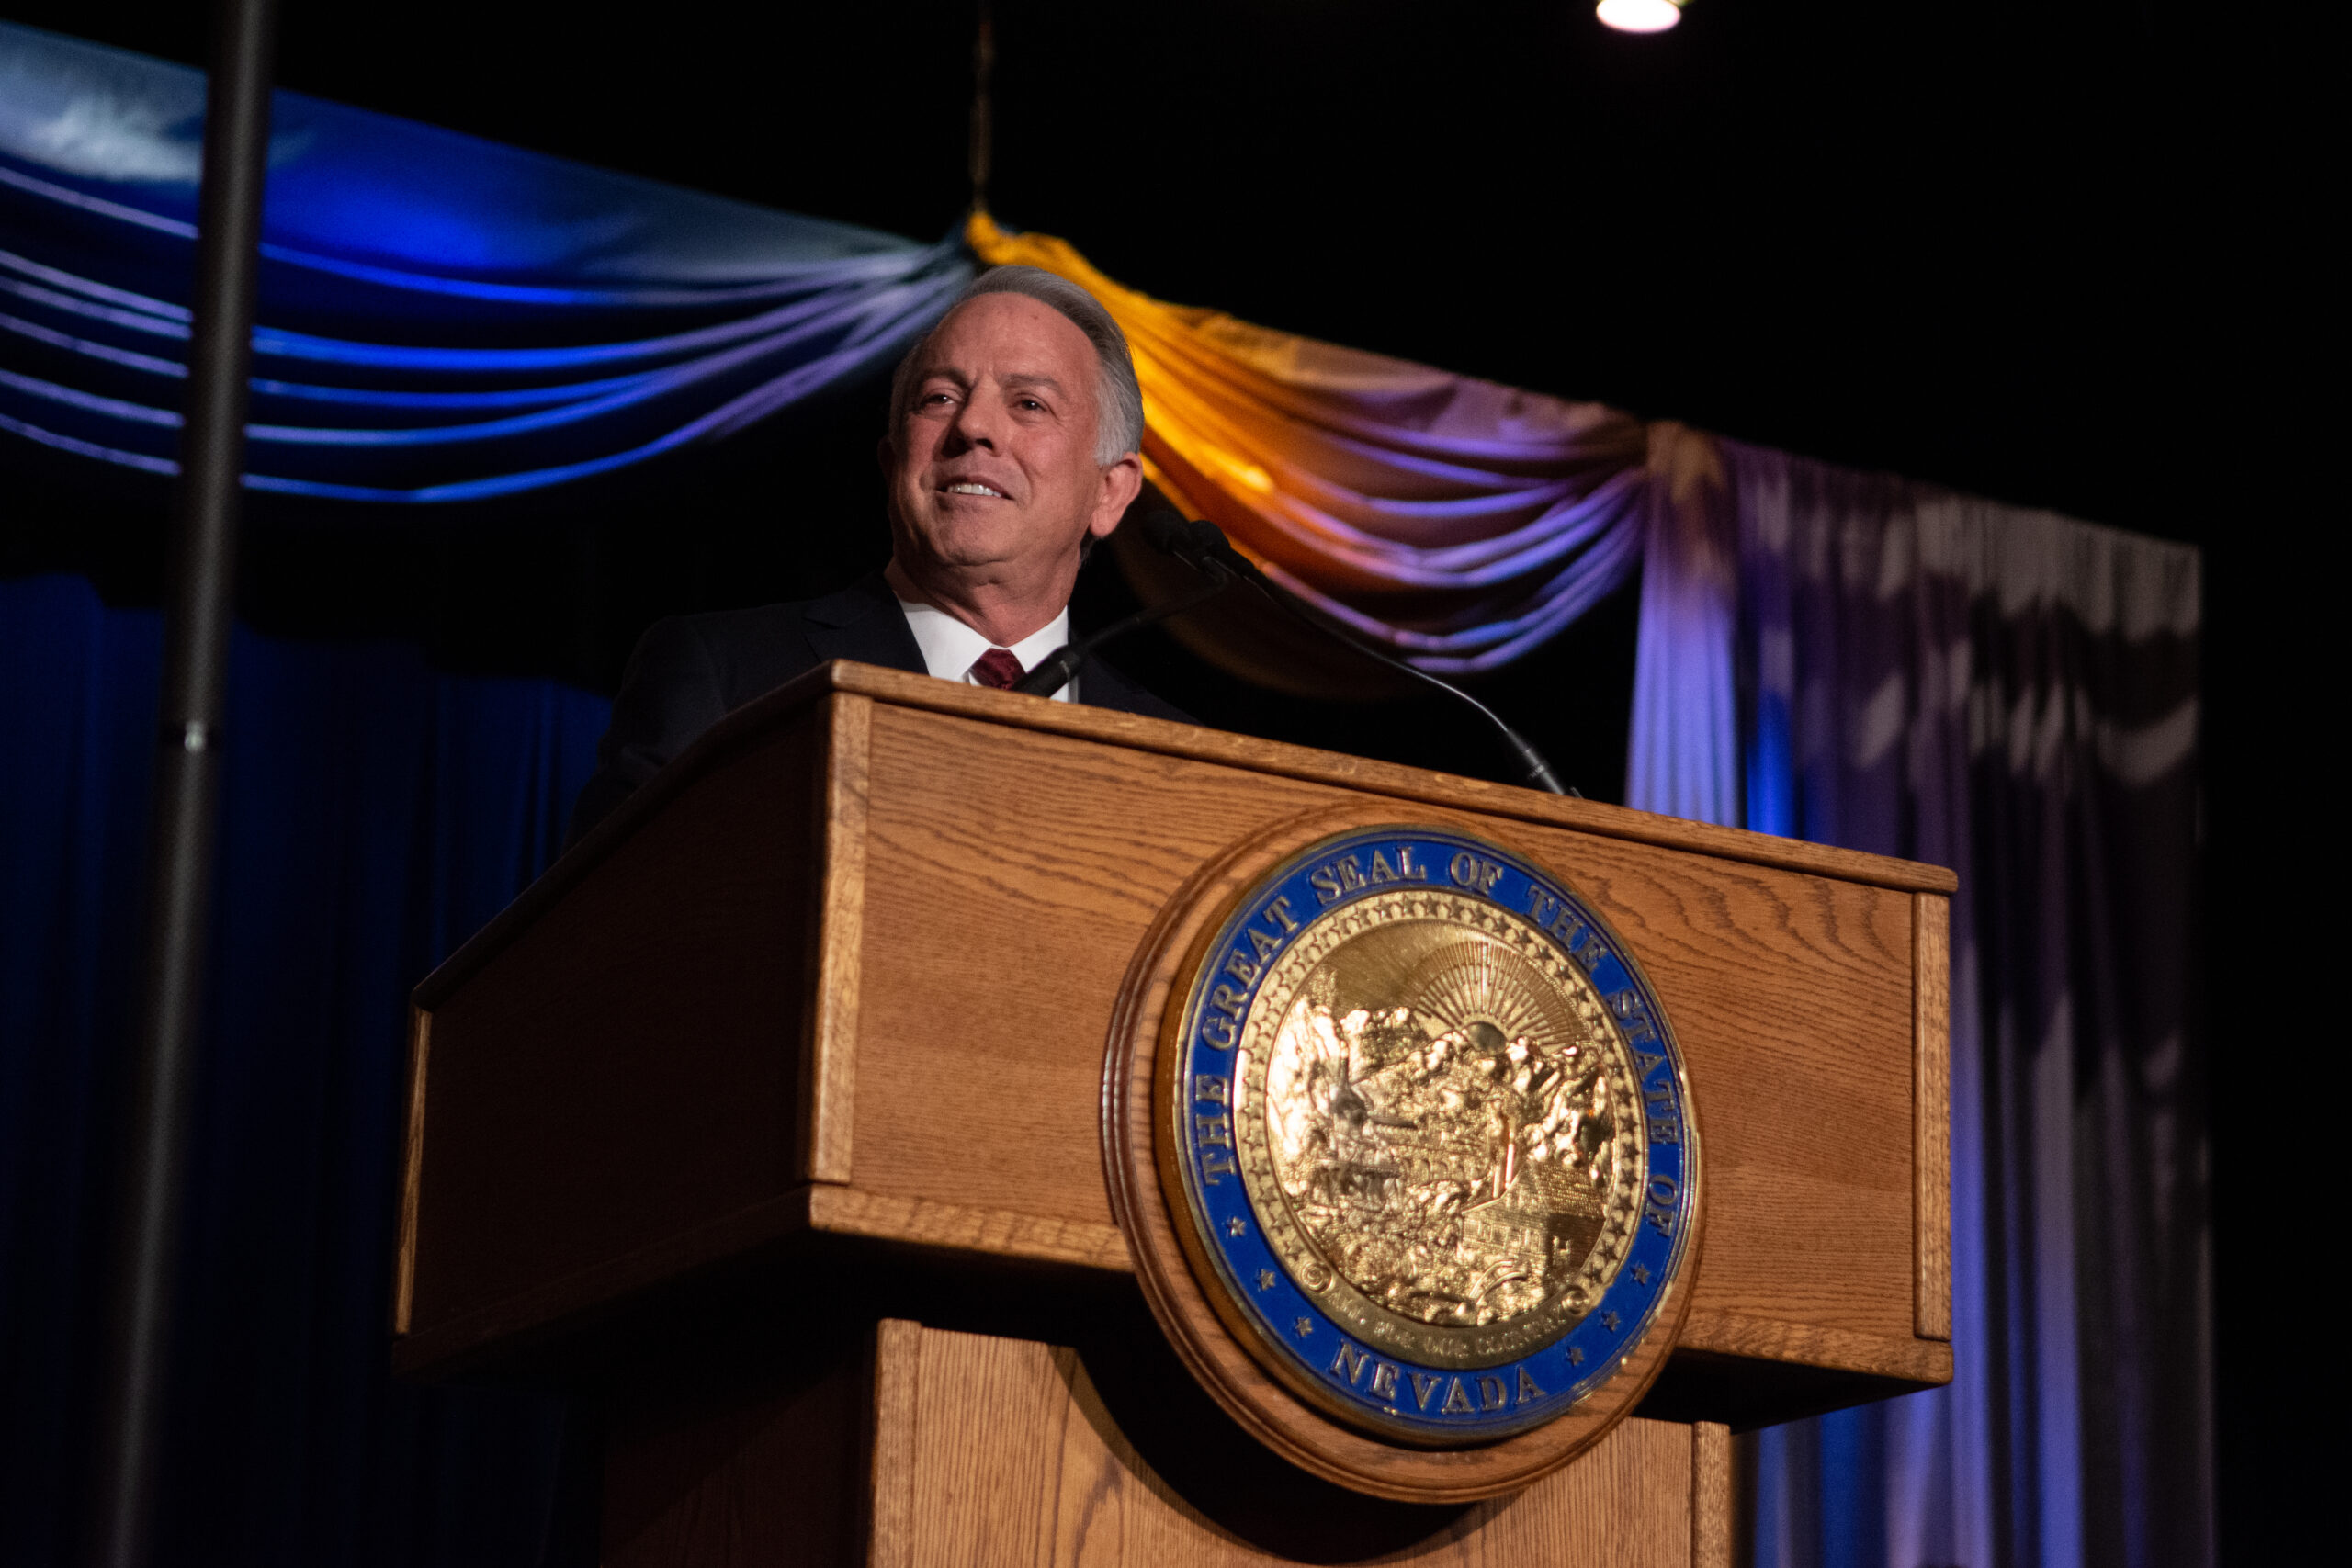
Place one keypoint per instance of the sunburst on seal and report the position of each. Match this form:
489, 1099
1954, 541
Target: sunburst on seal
1469, 983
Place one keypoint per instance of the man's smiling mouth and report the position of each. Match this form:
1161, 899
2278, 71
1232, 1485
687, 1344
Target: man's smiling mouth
973, 487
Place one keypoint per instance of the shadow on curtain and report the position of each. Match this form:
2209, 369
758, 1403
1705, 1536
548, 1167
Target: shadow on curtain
2013, 694
376, 812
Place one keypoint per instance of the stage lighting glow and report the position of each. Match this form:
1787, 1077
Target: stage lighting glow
1639, 16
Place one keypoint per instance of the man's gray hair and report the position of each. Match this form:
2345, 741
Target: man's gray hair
1118, 399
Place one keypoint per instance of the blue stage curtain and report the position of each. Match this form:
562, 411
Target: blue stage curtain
1845, 657
376, 812
441, 318
2014, 694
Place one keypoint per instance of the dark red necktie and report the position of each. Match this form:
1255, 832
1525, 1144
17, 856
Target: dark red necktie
997, 668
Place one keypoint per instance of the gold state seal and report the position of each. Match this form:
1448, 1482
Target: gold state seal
1437, 1127
1402, 1147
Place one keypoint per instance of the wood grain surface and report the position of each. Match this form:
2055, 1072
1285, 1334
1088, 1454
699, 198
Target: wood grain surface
959, 1227
836, 941
753, 722
1931, 1112
1361, 774
892, 1453
1789, 994
638, 1068
1018, 1461
626, 1067
1710, 1495
924, 1448
1925, 1362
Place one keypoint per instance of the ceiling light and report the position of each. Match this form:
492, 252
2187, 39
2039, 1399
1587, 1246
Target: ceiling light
1639, 16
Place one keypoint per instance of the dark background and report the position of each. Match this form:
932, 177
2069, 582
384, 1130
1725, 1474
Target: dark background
2062, 256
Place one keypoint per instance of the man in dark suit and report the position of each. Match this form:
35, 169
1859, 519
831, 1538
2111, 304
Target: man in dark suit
1015, 442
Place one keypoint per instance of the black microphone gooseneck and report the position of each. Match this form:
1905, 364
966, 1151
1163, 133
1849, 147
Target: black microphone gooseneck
1203, 548
1054, 670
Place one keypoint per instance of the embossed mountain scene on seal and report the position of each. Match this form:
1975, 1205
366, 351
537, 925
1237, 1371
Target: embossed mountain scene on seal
1445, 1131
1451, 1155
1428, 1136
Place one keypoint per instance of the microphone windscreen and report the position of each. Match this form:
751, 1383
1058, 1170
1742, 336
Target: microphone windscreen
1165, 531
1208, 538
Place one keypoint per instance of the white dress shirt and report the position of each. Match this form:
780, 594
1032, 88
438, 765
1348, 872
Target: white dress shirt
950, 647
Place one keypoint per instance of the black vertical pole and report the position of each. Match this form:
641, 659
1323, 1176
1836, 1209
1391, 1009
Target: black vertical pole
980, 150
188, 770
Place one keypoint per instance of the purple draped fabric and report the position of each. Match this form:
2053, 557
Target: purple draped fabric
1683, 758
2014, 694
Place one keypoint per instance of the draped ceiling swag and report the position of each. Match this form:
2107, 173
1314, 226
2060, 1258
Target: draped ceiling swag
1464, 521
441, 318
1841, 656
446, 319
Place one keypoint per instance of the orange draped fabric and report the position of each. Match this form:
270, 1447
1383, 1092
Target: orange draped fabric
1461, 521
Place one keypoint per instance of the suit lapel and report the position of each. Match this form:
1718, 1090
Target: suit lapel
862, 622
1101, 686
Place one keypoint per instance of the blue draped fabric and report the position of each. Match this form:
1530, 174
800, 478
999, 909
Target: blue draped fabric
441, 318
2013, 694
374, 812
1834, 656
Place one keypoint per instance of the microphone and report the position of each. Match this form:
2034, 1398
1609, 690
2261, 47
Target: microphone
1053, 671
1204, 548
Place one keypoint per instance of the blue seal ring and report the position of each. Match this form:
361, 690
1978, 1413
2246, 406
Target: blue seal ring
1428, 1404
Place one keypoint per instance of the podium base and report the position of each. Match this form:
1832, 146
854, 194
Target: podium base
924, 1448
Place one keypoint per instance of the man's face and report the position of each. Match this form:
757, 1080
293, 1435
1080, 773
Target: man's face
992, 471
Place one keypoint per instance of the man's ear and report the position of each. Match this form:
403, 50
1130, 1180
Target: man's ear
1122, 482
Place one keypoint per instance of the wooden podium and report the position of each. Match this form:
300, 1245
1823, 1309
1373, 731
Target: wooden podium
772, 1115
